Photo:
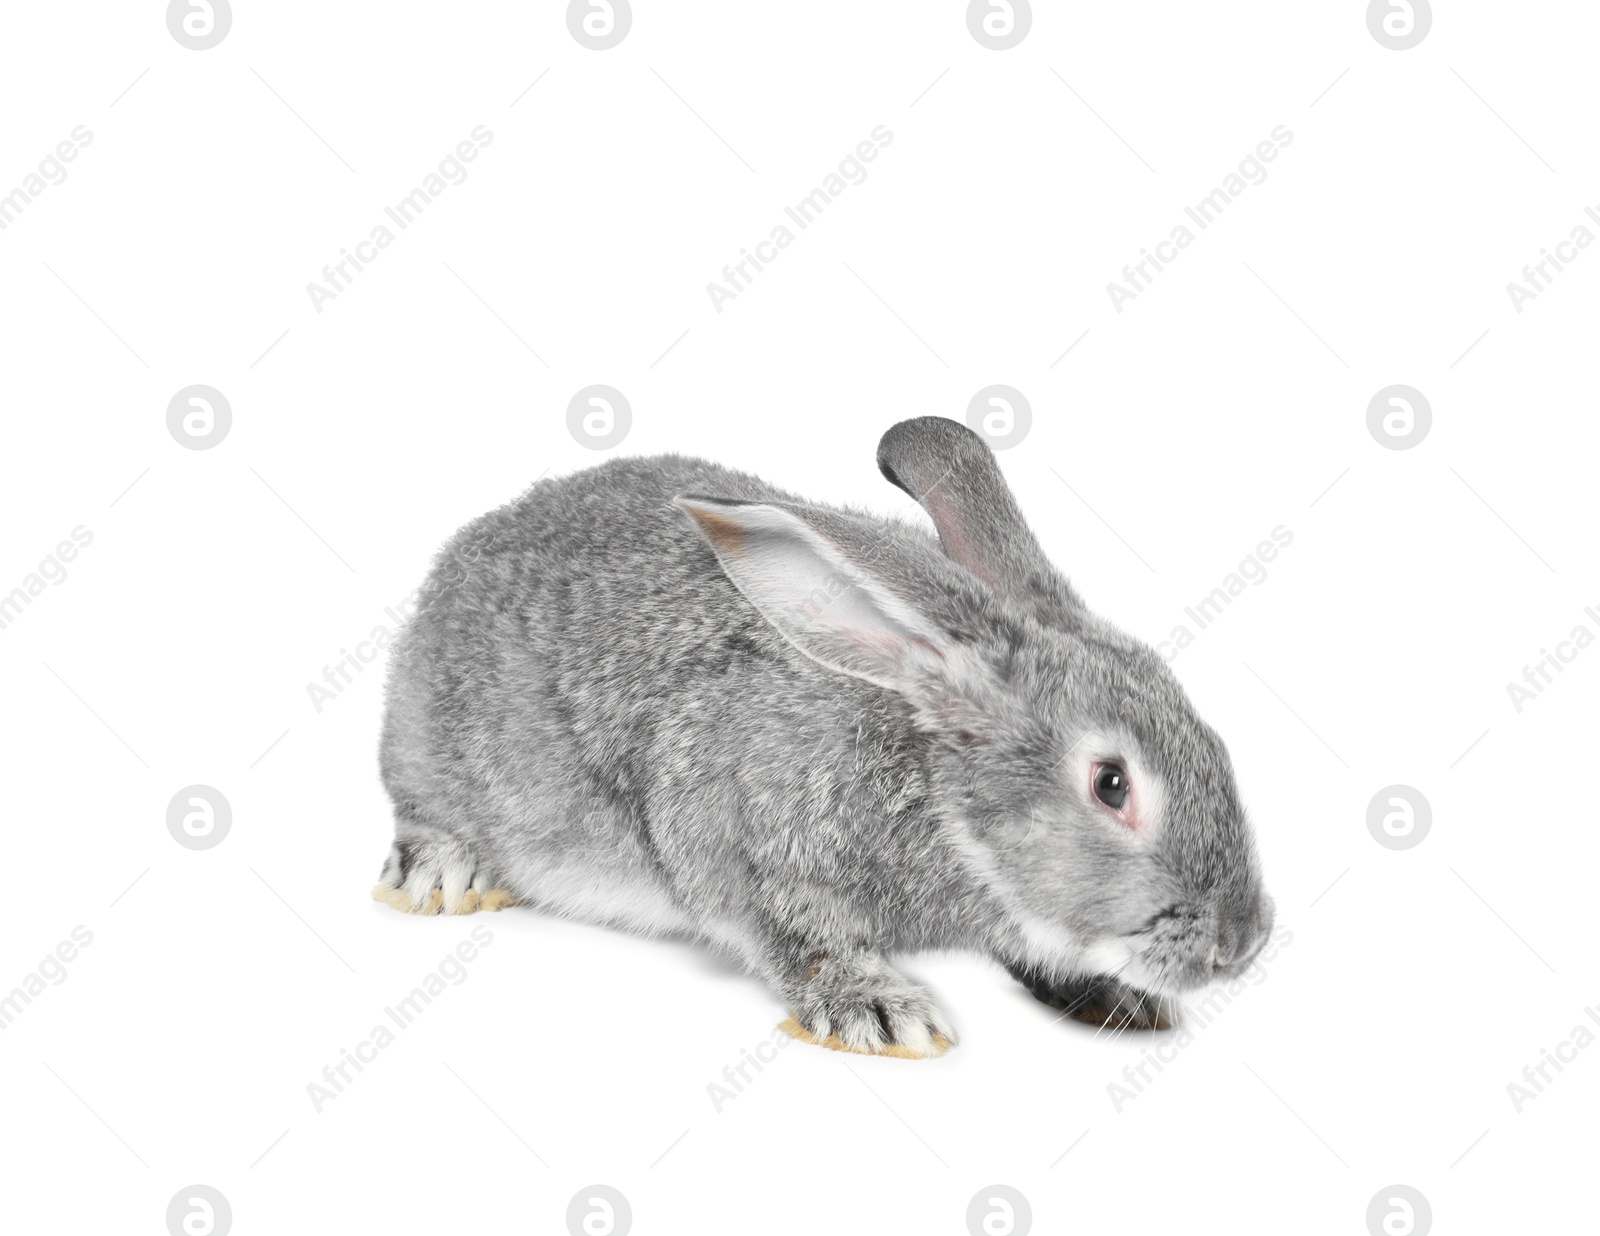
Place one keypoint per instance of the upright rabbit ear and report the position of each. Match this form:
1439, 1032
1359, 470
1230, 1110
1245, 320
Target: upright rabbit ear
950, 471
826, 599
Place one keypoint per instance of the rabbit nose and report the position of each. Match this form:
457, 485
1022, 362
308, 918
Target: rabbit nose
1237, 945
1234, 949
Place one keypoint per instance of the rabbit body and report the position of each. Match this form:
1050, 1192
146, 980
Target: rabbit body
805, 736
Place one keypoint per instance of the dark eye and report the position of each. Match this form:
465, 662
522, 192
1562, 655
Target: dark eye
1111, 786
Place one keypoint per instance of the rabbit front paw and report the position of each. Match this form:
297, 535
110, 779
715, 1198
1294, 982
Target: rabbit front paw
437, 874
1097, 1000
860, 1004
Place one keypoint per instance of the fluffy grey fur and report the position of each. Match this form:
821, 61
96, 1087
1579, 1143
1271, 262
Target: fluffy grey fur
667, 696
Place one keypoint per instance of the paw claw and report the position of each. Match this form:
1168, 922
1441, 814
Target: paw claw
860, 1004
470, 902
496, 899
431, 872
935, 1046
394, 898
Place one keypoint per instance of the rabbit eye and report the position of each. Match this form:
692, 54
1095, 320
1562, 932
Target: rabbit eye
1111, 786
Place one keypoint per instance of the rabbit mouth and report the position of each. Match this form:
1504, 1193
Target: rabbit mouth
1165, 956
1129, 959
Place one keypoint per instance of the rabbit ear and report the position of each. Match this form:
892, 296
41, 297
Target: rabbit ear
823, 597
953, 475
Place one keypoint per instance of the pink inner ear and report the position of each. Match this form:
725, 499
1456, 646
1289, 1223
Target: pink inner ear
946, 517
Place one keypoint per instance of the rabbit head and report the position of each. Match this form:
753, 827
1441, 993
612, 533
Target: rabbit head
1067, 766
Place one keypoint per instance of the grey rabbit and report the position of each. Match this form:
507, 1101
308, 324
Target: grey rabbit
665, 696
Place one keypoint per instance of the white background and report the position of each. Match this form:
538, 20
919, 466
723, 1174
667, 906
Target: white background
1166, 443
